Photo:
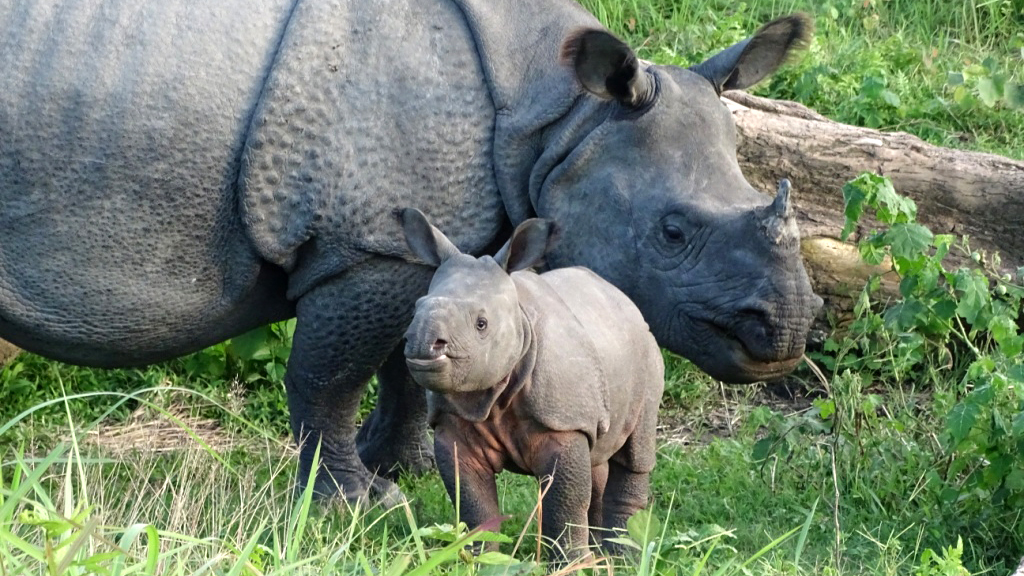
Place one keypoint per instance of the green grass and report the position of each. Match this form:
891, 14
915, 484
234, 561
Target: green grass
856, 493
877, 63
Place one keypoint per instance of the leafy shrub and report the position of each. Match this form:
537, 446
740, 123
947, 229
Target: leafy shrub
928, 388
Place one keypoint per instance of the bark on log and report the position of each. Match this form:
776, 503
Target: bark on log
964, 193
7, 352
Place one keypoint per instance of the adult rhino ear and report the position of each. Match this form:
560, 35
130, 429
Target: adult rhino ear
750, 61
528, 244
607, 67
426, 242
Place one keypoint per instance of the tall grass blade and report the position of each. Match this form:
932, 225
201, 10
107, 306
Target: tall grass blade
802, 538
152, 547
300, 515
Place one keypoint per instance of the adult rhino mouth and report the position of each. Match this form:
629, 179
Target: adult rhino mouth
739, 364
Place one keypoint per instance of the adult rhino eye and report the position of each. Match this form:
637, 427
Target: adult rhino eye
481, 324
672, 233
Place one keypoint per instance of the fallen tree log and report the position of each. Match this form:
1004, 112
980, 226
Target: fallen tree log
7, 352
959, 192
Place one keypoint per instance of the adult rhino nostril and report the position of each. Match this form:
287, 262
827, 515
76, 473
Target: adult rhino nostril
752, 314
438, 348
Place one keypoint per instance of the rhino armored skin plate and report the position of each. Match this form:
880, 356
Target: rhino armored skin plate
176, 172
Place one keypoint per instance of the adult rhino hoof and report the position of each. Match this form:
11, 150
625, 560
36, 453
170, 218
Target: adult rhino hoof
362, 491
386, 493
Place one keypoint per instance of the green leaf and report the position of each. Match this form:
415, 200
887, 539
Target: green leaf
494, 558
905, 315
442, 532
908, 240
960, 420
643, 527
893, 208
975, 70
1004, 332
854, 197
954, 78
1018, 424
826, 407
512, 568
890, 98
988, 92
1013, 93
1015, 479
872, 87
872, 250
1016, 373
974, 294
253, 345
762, 448
942, 243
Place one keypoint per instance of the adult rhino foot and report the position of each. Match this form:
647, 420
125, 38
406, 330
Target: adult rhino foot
356, 489
389, 449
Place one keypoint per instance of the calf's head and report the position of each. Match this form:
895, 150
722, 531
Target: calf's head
468, 332
652, 199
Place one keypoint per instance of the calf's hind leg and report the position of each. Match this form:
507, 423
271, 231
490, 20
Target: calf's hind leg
629, 474
626, 492
345, 329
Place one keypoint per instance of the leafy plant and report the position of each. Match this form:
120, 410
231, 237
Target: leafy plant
987, 84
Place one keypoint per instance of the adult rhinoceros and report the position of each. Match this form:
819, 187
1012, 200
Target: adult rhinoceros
176, 172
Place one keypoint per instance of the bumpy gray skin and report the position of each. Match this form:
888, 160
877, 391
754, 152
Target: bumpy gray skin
176, 172
554, 375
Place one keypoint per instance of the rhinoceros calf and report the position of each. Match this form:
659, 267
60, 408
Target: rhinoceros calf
176, 172
554, 375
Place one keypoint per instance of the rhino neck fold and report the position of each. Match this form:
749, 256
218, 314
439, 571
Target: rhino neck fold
518, 43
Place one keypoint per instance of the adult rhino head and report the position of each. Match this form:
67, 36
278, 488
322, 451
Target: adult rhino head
641, 174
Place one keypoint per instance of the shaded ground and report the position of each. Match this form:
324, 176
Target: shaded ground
719, 417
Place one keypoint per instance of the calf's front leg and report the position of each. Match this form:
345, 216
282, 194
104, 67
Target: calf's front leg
473, 487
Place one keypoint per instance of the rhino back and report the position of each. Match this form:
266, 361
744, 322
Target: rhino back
123, 125
371, 106
597, 363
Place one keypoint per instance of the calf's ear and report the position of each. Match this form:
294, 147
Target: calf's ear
425, 241
606, 67
530, 241
750, 61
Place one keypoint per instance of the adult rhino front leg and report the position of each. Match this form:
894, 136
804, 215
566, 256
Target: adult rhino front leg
345, 329
394, 436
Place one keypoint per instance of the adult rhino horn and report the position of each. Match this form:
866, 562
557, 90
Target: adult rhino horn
780, 207
779, 223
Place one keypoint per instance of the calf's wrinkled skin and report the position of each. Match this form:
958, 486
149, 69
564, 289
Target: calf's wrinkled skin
176, 172
554, 375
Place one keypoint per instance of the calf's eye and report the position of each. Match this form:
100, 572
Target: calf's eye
481, 324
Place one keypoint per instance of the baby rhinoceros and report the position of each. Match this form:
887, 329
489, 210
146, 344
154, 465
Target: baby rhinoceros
554, 375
